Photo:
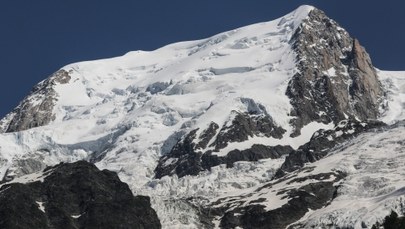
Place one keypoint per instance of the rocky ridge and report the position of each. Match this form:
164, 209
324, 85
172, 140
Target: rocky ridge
193, 154
37, 108
76, 195
336, 78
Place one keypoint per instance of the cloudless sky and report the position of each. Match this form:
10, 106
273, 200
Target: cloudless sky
37, 37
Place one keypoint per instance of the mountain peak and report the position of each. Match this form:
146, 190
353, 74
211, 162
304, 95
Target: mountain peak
197, 120
222, 54
305, 9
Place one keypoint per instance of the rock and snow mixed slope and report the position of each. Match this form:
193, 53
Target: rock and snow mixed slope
139, 105
196, 122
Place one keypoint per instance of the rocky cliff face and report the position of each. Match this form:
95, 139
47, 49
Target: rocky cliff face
75, 195
194, 154
36, 109
336, 79
312, 196
323, 141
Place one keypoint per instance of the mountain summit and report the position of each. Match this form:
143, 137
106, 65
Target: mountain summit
273, 125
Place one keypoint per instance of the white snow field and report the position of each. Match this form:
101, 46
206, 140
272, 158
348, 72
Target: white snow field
132, 109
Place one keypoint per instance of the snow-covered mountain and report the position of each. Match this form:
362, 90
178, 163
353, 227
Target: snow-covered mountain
276, 124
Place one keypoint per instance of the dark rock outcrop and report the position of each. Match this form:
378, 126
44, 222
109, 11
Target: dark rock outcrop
193, 154
207, 135
323, 141
391, 221
196, 162
76, 195
255, 153
313, 196
246, 125
235, 212
36, 109
336, 79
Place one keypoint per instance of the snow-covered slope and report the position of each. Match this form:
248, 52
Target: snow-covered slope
374, 163
354, 186
128, 113
134, 103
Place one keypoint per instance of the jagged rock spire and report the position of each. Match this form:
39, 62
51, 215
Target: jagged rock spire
336, 78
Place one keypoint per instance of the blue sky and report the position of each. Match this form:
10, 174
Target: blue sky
38, 37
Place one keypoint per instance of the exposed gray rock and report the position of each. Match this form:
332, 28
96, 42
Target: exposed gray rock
171, 142
246, 125
187, 207
207, 135
323, 141
191, 154
4, 122
36, 109
192, 163
311, 196
75, 195
253, 107
177, 89
255, 153
236, 212
27, 166
336, 79
157, 87
182, 159
366, 89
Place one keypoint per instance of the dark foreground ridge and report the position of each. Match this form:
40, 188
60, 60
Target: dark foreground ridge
75, 195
